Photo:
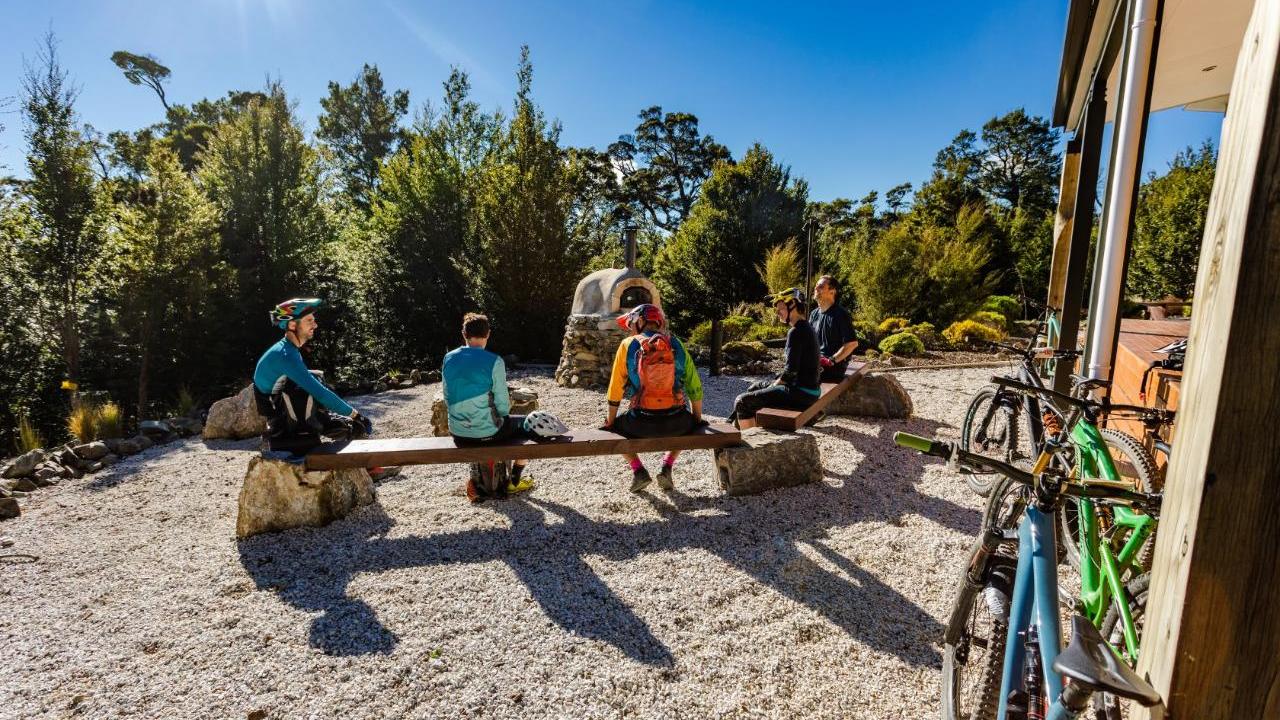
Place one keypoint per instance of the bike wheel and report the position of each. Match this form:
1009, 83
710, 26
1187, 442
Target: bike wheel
990, 429
974, 645
1134, 464
1137, 590
1005, 505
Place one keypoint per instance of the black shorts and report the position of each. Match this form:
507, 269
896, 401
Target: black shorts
835, 373
512, 429
652, 423
758, 398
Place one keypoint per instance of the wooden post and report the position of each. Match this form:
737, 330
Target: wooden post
1062, 223
1212, 638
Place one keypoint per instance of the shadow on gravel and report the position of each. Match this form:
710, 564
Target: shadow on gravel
777, 538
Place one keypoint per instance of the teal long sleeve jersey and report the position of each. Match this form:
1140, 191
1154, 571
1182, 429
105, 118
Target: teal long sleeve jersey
282, 361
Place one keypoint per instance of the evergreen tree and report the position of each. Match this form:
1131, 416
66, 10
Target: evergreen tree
360, 126
1020, 165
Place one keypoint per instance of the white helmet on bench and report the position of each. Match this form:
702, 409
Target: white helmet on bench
544, 424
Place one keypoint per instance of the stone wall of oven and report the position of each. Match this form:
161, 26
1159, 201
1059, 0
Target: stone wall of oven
590, 342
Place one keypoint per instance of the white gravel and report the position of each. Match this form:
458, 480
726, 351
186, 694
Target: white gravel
580, 600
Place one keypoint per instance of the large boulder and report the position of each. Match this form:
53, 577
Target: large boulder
92, 451
23, 465
9, 508
278, 495
523, 402
766, 460
875, 395
234, 418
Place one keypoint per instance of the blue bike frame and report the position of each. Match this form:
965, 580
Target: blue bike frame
1035, 602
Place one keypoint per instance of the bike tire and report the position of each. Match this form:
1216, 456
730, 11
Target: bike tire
999, 445
1137, 589
1136, 464
979, 620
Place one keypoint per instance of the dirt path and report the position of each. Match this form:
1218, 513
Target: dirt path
582, 600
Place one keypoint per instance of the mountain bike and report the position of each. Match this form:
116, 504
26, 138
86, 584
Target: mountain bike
1003, 657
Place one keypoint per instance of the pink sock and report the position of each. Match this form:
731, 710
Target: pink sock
636, 464
669, 460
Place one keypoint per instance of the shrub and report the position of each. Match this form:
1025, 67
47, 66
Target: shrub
928, 335
91, 421
734, 327
902, 343
892, 325
1003, 304
991, 319
782, 267
186, 402
868, 331
766, 331
750, 350
80, 422
29, 437
966, 332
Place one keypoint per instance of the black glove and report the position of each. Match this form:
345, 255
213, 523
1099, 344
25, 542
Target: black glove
363, 426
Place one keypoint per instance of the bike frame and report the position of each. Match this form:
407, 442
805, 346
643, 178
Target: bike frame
1035, 602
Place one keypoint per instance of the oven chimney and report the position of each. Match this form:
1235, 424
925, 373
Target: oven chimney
629, 241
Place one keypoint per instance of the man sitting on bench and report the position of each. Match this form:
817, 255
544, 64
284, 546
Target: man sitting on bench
286, 392
475, 391
797, 387
834, 328
654, 370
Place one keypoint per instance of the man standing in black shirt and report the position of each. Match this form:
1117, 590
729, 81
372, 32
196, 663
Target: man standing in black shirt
797, 387
834, 327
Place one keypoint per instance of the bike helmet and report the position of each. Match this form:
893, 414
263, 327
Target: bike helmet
648, 313
793, 297
295, 309
544, 424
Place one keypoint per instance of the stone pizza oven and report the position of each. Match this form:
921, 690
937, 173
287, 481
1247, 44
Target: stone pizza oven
591, 335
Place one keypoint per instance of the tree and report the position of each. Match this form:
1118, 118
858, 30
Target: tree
360, 126
895, 197
522, 263
744, 210
143, 70
1020, 165
264, 179
63, 202
954, 183
168, 264
1169, 226
664, 164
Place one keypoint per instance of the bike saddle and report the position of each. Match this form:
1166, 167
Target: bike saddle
1089, 660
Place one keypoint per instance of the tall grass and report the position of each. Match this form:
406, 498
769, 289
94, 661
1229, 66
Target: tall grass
90, 421
782, 268
29, 437
186, 402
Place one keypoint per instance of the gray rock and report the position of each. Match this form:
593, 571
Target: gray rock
127, 447
143, 442
24, 464
278, 496
92, 451
154, 429
25, 484
185, 426
874, 395
766, 460
234, 418
415, 376
9, 483
523, 402
9, 508
113, 445
109, 460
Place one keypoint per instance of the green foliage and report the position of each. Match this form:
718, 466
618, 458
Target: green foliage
360, 126
1169, 226
928, 272
663, 165
928, 335
891, 325
991, 319
966, 333
1020, 164
743, 209
734, 327
143, 70
782, 268
1030, 239
747, 348
185, 404
903, 344
108, 422
1003, 304
766, 331
868, 330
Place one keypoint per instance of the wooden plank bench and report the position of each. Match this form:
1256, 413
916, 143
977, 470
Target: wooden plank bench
779, 419
578, 443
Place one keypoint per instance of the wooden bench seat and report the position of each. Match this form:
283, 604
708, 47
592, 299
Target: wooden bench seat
779, 419
578, 443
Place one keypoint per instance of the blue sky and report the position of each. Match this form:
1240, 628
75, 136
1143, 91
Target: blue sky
855, 97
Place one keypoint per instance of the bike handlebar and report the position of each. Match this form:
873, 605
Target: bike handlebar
1090, 489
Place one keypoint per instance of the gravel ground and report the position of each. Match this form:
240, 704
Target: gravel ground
579, 600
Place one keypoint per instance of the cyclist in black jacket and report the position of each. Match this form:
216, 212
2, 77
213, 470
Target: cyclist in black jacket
797, 387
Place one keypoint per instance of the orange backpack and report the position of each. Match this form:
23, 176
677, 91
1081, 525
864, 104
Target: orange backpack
657, 369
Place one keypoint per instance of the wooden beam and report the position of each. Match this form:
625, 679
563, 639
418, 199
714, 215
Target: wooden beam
578, 443
1063, 222
1212, 643
778, 419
